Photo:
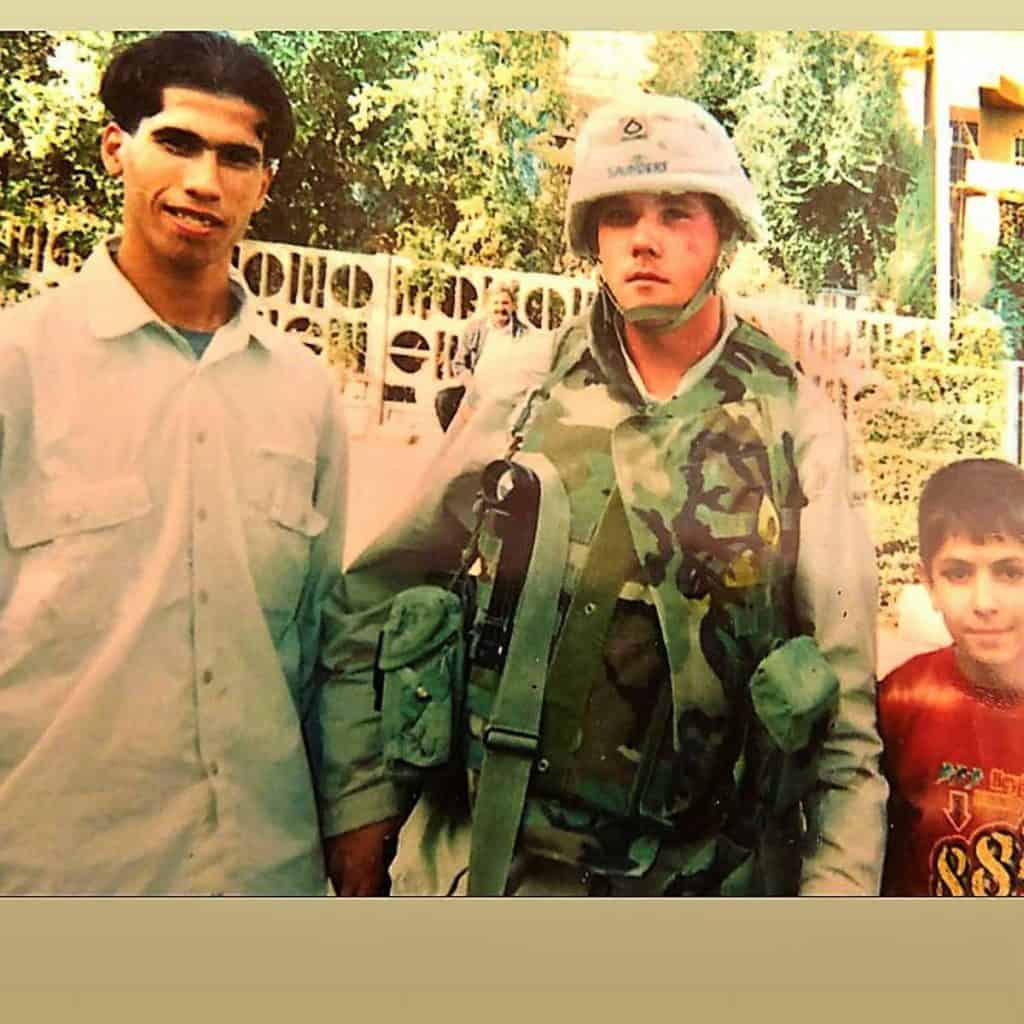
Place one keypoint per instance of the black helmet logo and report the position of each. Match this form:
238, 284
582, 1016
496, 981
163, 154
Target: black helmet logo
633, 129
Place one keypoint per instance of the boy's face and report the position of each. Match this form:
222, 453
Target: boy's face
193, 176
979, 591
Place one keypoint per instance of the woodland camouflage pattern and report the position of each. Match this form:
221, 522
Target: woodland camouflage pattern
686, 756
712, 508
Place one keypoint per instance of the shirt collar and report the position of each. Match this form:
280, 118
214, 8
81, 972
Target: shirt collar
609, 354
114, 309
696, 372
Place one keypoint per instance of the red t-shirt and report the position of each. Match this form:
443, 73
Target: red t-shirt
954, 757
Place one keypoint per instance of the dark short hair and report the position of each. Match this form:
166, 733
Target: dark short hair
725, 220
974, 498
133, 83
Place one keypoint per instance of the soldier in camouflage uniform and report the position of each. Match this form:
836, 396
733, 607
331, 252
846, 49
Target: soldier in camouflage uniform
708, 716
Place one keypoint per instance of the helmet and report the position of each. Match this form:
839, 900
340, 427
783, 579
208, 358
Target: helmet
656, 144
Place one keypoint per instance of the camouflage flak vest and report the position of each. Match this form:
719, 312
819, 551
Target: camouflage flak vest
649, 736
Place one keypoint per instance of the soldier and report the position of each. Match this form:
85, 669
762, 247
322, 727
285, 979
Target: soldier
670, 683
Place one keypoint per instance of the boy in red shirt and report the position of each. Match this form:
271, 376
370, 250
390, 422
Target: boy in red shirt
953, 720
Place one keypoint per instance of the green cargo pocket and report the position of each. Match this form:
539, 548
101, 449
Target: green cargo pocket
419, 672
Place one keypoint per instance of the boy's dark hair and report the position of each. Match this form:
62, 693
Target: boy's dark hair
973, 498
133, 83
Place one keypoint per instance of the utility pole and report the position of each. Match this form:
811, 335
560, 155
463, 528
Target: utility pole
938, 142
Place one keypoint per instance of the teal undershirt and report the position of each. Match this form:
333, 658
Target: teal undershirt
197, 339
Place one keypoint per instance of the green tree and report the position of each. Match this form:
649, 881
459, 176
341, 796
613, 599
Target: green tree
822, 134
818, 122
462, 144
328, 191
710, 68
50, 119
907, 276
1006, 296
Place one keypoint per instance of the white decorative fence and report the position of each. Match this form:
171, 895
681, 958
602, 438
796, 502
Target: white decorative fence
390, 334
388, 323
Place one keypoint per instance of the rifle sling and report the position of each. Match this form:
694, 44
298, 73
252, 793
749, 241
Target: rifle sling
512, 735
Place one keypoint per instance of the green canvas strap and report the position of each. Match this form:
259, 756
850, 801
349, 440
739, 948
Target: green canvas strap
663, 319
512, 735
580, 650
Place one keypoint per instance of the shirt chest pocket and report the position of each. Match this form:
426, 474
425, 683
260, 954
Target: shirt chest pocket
78, 546
281, 523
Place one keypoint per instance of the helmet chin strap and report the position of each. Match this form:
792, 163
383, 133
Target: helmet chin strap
663, 319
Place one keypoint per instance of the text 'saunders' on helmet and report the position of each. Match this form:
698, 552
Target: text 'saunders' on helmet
656, 144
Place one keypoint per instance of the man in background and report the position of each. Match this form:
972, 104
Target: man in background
484, 334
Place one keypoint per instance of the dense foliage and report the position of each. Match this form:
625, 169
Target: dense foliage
818, 122
1006, 295
465, 138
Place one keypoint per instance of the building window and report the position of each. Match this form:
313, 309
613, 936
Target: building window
964, 147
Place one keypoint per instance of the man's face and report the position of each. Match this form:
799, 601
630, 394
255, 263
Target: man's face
499, 307
655, 249
193, 176
979, 591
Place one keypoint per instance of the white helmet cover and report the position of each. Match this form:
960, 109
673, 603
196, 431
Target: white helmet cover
656, 144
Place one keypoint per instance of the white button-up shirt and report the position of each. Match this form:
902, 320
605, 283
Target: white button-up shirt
168, 527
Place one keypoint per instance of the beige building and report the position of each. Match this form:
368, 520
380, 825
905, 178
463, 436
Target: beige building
974, 83
987, 178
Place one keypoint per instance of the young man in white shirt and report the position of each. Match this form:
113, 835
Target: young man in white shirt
172, 478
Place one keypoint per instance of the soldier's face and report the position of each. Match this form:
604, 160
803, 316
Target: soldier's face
979, 591
656, 249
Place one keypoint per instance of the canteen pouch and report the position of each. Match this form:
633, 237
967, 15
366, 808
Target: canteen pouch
419, 676
795, 693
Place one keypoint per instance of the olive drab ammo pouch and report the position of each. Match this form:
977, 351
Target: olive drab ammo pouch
794, 690
794, 694
419, 679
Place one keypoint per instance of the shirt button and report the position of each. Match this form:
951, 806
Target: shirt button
201, 515
203, 596
214, 768
207, 676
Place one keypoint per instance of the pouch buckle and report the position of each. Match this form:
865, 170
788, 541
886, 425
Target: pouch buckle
511, 741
